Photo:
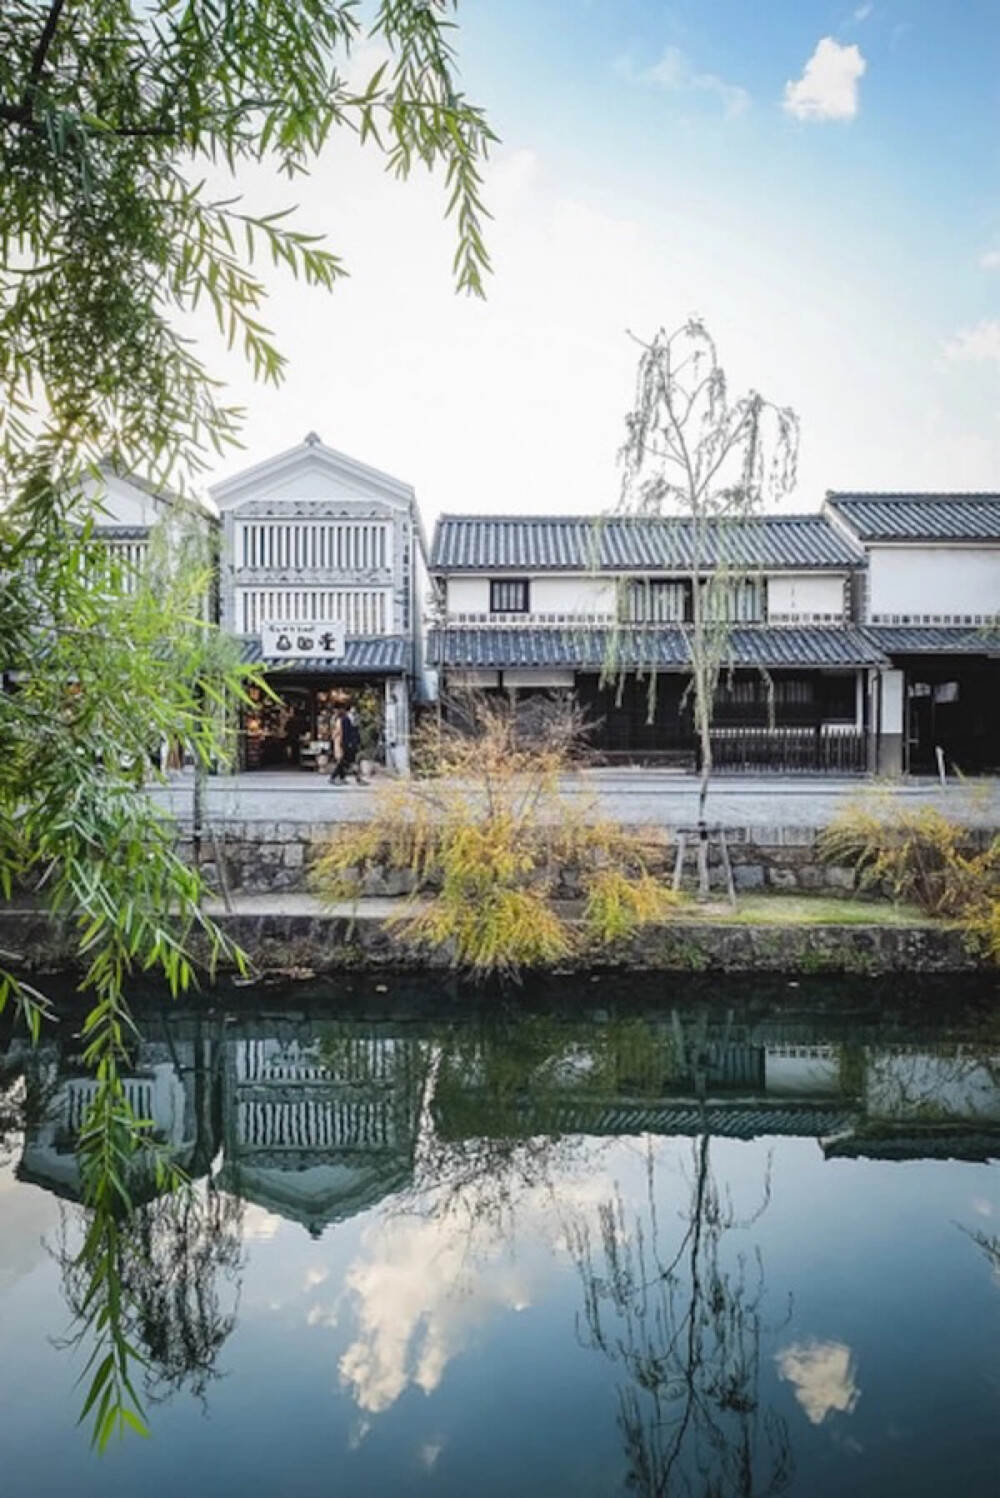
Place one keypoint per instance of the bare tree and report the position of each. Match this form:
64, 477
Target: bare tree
693, 452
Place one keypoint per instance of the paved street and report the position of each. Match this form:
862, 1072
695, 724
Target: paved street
632, 796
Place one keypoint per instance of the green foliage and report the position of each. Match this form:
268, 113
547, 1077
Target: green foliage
920, 857
117, 122
487, 848
126, 133
106, 668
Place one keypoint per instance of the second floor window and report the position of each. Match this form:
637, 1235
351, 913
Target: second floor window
509, 595
656, 601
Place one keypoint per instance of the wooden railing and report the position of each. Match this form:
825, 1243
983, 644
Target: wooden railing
791, 750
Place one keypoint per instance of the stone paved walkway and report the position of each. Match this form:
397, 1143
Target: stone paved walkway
651, 797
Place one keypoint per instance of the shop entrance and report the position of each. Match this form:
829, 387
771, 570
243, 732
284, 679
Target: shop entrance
952, 705
292, 729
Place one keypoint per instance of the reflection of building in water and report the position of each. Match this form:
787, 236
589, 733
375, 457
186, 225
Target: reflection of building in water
159, 1087
686, 1077
922, 1103
320, 1123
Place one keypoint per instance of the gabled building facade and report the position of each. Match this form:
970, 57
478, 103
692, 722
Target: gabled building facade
930, 602
323, 576
126, 512
602, 607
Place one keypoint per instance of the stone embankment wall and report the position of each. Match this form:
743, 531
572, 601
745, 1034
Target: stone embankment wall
293, 937
276, 857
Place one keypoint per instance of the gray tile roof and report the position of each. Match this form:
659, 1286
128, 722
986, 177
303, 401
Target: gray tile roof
378, 655
914, 639
629, 544
120, 532
665, 647
919, 517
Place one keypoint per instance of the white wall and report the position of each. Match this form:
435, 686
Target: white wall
590, 596
892, 701
804, 594
121, 503
934, 581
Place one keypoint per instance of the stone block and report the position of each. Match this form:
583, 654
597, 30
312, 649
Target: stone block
838, 877
782, 878
748, 876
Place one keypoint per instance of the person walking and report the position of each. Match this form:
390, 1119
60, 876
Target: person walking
347, 743
339, 772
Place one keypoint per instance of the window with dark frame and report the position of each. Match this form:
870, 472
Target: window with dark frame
509, 595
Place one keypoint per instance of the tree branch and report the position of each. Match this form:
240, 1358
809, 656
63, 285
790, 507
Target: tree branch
38, 57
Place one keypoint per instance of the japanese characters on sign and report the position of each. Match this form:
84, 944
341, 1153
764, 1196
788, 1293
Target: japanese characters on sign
285, 639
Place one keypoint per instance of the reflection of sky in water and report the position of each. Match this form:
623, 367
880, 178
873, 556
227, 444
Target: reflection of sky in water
822, 1375
436, 1339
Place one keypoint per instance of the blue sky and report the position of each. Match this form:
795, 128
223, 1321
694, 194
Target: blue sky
819, 181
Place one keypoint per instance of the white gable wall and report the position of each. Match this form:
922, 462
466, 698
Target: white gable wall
935, 582
117, 502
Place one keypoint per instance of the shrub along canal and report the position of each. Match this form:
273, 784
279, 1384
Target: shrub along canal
594, 1237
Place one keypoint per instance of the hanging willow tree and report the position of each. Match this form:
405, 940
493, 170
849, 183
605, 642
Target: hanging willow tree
128, 132
695, 454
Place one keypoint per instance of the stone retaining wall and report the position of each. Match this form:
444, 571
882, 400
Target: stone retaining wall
273, 857
302, 944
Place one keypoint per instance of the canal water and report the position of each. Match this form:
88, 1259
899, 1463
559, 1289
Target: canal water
594, 1239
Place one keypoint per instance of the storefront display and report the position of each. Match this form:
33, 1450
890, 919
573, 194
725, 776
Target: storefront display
292, 729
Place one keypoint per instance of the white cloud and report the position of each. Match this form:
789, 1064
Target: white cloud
822, 1375
863, 12
674, 71
422, 1292
977, 345
828, 88
419, 1306
990, 260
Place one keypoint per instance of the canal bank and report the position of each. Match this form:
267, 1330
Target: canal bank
296, 935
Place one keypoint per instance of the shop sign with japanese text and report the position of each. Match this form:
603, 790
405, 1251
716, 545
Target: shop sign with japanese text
284, 640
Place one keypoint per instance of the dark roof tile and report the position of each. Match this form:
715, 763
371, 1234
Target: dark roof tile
665, 647
630, 544
386, 654
919, 517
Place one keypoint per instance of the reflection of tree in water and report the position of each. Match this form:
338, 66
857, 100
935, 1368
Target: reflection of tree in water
496, 1133
683, 1320
180, 1261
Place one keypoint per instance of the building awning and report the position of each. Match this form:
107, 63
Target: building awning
664, 648
916, 639
379, 655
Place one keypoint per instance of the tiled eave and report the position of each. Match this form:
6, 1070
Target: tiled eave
913, 639
664, 648
386, 655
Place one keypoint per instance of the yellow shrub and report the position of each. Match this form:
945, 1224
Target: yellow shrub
920, 857
485, 841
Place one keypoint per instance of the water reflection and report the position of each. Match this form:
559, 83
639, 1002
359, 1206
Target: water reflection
680, 1307
482, 1159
